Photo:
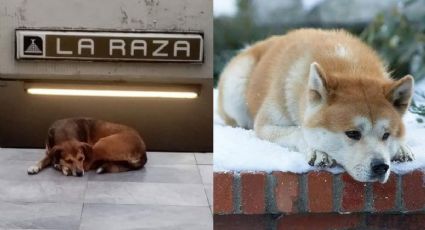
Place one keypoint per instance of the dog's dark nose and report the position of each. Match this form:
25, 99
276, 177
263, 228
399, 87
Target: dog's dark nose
379, 168
79, 173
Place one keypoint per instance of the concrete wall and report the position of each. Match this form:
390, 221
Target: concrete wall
168, 15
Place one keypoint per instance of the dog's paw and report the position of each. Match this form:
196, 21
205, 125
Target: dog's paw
66, 171
320, 159
57, 167
100, 170
404, 154
33, 170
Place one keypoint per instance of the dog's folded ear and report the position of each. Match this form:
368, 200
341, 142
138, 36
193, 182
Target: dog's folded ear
50, 140
400, 93
317, 83
86, 148
55, 154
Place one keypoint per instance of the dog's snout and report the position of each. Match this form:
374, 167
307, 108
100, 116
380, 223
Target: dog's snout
79, 173
379, 168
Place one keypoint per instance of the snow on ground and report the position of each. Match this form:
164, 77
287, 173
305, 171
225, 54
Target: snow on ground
237, 149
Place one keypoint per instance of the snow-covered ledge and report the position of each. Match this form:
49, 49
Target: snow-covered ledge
253, 176
238, 149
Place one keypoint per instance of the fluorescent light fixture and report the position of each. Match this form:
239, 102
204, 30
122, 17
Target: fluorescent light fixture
111, 93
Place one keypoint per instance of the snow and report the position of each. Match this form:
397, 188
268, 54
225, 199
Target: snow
237, 149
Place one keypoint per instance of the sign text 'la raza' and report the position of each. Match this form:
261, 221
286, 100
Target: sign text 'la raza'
109, 46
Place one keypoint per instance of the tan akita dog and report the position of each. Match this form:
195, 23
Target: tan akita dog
324, 93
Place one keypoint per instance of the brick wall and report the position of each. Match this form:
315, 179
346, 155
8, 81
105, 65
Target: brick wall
291, 197
321, 221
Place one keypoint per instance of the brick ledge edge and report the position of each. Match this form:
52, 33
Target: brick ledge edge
316, 192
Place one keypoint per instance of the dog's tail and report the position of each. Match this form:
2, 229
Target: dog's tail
143, 160
143, 155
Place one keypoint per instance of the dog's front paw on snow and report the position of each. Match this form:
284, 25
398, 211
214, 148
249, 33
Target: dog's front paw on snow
320, 159
33, 169
404, 154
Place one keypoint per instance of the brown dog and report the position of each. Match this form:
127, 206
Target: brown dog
76, 145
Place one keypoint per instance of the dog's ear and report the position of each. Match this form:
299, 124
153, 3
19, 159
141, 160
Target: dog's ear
317, 84
87, 149
50, 139
55, 154
400, 93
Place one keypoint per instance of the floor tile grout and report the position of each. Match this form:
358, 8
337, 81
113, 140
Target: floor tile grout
151, 205
84, 198
81, 216
206, 196
103, 203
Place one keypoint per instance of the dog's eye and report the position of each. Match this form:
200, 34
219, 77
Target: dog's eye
69, 161
80, 159
353, 134
385, 137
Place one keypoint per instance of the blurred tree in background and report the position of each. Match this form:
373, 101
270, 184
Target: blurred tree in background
399, 37
231, 32
396, 30
400, 40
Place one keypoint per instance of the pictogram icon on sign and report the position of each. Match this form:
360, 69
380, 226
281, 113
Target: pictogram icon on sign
33, 45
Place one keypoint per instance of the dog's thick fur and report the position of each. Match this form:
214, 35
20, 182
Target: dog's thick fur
76, 145
311, 90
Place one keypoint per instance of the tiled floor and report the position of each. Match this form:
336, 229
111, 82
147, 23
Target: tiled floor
173, 191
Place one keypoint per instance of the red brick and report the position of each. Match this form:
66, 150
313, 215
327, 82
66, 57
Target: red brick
384, 194
319, 221
253, 192
320, 196
241, 222
286, 191
353, 195
414, 191
396, 221
223, 193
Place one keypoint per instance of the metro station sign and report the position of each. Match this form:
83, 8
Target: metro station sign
109, 46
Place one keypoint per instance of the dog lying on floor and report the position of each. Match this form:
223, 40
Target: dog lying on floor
76, 145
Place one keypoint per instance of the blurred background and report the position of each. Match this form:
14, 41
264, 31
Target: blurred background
395, 28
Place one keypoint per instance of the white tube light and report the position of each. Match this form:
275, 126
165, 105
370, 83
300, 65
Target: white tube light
111, 93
